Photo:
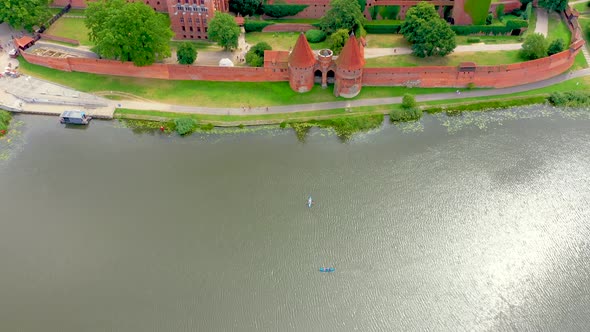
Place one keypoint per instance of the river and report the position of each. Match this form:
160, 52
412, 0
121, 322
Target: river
479, 222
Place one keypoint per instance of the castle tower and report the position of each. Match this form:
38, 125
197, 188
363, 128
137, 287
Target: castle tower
349, 69
301, 64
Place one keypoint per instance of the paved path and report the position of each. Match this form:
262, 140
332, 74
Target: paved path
351, 103
542, 22
577, 2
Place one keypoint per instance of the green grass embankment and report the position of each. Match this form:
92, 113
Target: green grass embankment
5, 118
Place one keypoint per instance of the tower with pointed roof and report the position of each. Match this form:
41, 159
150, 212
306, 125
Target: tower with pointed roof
349, 69
301, 64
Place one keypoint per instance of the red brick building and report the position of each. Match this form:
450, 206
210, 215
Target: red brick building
188, 18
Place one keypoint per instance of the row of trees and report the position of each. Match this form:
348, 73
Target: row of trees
27, 14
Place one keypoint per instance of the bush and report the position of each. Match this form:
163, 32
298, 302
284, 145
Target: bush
388, 12
282, 10
465, 30
571, 99
315, 36
500, 12
404, 115
473, 40
382, 28
255, 56
186, 54
184, 126
254, 59
534, 47
556, 46
255, 26
489, 19
408, 101
337, 40
5, 118
517, 24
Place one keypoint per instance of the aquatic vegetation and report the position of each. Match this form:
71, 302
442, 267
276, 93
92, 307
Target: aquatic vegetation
570, 98
11, 141
185, 126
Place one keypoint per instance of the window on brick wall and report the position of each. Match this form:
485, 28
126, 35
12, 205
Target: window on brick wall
183, 29
182, 20
190, 28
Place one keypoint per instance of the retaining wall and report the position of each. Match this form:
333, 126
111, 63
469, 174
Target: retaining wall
59, 39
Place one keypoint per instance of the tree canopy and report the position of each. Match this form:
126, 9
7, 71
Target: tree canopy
186, 54
337, 40
428, 33
343, 14
128, 31
224, 30
255, 57
558, 5
245, 7
26, 14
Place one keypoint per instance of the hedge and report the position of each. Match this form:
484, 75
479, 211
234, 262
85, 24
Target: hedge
255, 26
282, 10
382, 28
315, 36
465, 30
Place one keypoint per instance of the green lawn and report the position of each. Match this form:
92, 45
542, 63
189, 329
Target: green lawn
205, 93
72, 28
481, 58
462, 40
558, 29
386, 41
199, 45
582, 7
279, 40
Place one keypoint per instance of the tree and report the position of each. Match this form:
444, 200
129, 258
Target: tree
534, 47
128, 31
245, 7
343, 14
415, 18
255, 56
224, 30
556, 46
337, 40
500, 12
427, 32
186, 53
26, 14
558, 5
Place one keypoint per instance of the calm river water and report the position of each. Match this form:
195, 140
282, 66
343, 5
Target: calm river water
478, 222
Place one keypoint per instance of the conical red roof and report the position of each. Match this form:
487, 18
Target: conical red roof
302, 56
351, 57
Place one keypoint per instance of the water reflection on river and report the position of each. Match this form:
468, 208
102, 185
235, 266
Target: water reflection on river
472, 223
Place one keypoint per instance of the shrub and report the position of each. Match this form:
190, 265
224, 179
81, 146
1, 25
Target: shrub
207, 126
254, 59
337, 40
404, 115
489, 19
5, 118
556, 46
464, 30
388, 12
186, 54
185, 125
255, 26
408, 101
382, 28
534, 47
517, 24
473, 40
282, 10
571, 99
500, 12
315, 36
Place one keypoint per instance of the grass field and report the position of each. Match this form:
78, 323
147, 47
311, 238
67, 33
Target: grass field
582, 7
72, 28
558, 29
481, 58
206, 93
279, 40
478, 10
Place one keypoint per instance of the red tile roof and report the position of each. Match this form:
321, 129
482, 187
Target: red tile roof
351, 57
23, 41
302, 56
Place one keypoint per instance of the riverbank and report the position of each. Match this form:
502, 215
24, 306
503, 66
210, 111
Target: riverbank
5, 118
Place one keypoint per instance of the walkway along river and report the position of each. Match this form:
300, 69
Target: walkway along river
477, 222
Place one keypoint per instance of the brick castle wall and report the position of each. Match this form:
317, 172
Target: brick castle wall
161, 71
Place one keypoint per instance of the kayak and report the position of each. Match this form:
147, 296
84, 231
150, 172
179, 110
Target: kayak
327, 269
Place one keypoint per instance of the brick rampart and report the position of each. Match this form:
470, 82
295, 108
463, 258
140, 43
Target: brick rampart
161, 71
